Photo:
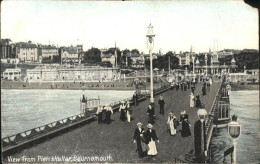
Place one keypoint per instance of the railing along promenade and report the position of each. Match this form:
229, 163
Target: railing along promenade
211, 116
50, 130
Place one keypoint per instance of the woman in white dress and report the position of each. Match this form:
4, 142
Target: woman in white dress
172, 124
192, 99
151, 138
128, 112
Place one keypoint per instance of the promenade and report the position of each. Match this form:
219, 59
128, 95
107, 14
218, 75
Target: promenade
116, 139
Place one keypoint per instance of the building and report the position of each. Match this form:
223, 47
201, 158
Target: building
214, 67
12, 74
27, 52
138, 60
108, 57
69, 55
184, 58
87, 74
47, 52
7, 49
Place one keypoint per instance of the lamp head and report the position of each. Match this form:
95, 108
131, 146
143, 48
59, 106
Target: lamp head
202, 113
234, 129
150, 33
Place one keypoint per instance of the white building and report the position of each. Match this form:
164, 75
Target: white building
12, 74
72, 74
47, 51
27, 52
69, 55
109, 58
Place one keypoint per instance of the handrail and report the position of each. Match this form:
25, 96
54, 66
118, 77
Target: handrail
23, 136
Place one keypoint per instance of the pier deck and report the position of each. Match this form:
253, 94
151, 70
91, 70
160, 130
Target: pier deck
116, 139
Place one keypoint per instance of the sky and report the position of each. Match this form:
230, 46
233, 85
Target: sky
176, 24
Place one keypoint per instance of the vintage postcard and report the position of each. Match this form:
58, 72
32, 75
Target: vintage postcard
129, 82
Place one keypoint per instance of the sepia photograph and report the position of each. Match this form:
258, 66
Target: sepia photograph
130, 81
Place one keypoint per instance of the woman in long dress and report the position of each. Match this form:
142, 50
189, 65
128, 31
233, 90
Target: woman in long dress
185, 132
122, 111
151, 138
99, 114
172, 124
109, 111
192, 99
128, 112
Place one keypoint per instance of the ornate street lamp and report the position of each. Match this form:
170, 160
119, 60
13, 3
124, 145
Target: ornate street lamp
193, 60
202, 113
206, 60
150, 44
234, 130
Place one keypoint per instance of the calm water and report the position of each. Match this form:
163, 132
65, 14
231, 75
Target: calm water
22, 110
245, 104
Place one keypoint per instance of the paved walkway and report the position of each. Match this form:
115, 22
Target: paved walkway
117, 138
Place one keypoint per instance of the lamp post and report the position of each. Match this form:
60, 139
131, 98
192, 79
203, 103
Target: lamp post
234, 130
202, 113
150, 44
206, 60
193, 59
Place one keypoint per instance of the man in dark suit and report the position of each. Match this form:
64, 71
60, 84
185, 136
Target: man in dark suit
150, 113
135, 99
139, 137
161, 103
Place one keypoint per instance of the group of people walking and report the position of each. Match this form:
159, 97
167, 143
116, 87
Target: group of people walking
145, 140
104, 114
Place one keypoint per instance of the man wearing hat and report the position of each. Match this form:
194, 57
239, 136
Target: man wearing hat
161, 103
151, 138
139, 139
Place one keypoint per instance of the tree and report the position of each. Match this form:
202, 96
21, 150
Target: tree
56, 59
93, 55
135, 51
162, 62
106, 64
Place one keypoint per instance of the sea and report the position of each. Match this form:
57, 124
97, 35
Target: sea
245, 105
22, 110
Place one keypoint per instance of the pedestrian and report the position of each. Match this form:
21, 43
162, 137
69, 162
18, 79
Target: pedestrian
122, 110
204, 90
128, 111
181, 86
161, 103
151, 114
139, 139
183, 116
188, 83
185, 86
177, 86
135, 99
208, 86
99, 114
192, 89
185, 130
192, 100
198, 103
103, 114
172, 124
151, 138
109, 112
